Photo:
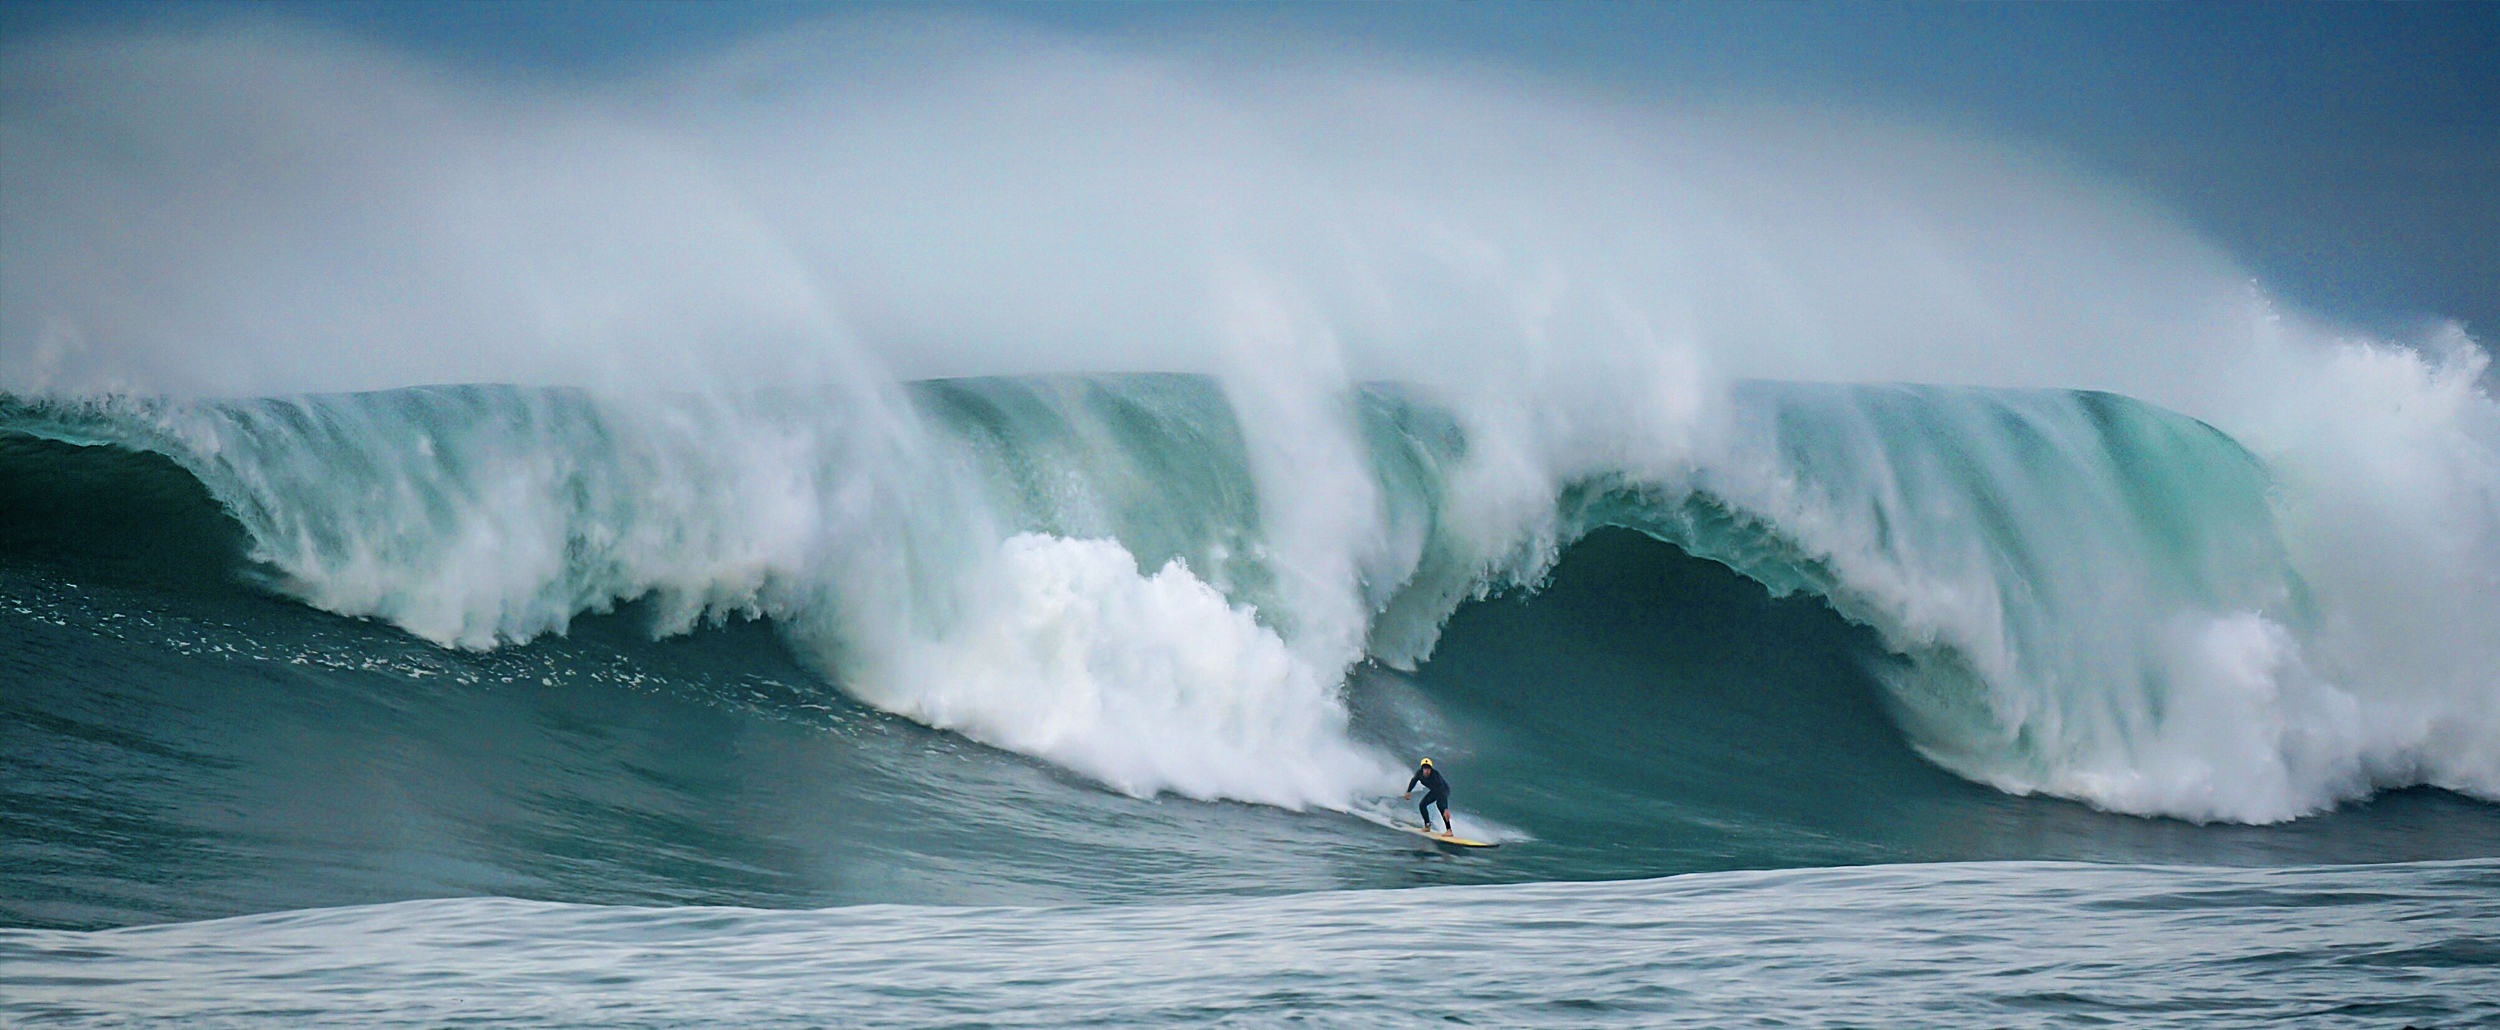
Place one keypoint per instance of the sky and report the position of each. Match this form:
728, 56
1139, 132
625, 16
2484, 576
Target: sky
2348, 154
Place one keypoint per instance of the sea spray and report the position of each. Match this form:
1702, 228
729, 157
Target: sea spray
731, 266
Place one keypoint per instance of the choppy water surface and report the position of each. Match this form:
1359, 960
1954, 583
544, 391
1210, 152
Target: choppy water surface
1977, 945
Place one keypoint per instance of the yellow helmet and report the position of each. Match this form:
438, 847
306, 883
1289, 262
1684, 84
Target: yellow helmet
1427, 761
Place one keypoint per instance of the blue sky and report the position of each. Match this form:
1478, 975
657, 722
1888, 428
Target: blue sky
2350, 153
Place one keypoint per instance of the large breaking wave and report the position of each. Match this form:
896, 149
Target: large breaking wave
2086, 595
1440, 327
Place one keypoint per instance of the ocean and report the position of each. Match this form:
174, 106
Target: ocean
1734, 783
924, 518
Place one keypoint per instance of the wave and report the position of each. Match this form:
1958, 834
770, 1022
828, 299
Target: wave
2080, 594
2248, 582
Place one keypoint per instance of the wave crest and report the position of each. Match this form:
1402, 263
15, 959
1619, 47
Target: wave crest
2085, 595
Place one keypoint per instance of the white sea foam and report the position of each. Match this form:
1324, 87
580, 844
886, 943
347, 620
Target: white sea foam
1147, 682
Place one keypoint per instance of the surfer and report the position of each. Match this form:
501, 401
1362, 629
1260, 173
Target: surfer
1436, 792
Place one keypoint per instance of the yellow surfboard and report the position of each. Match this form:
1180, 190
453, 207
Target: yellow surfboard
1443, 838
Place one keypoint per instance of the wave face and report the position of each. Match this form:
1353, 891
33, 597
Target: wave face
2078, 594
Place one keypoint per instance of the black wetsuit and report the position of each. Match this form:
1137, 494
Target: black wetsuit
1436, 792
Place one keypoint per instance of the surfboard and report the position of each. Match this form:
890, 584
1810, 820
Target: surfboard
1443, 838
